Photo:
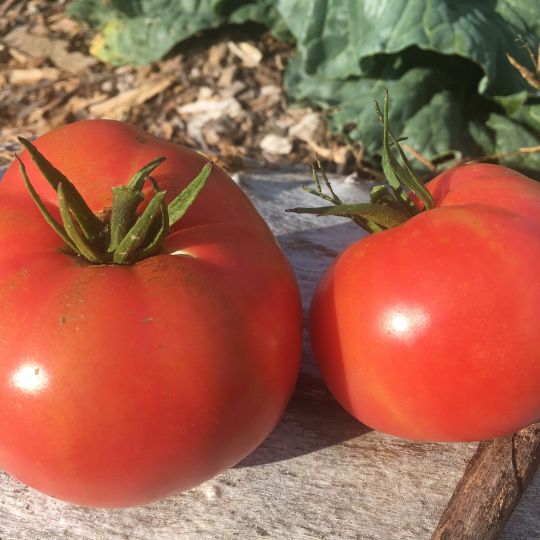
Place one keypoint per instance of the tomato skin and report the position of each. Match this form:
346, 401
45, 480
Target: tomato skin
429, 331
124, 384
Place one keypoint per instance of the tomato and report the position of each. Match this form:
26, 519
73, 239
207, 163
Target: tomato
430, 330
121, 384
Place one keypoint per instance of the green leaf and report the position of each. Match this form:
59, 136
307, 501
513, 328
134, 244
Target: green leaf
264, 12
513, 133
144, 31
337, 39
443, 62
424, 109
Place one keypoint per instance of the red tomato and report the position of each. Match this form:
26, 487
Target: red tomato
430, 330
123, 384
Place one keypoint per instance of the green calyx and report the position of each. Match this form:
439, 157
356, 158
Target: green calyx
391, 203
123, 236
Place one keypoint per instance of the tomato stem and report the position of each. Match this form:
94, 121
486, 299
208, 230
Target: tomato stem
391, 203
124, 238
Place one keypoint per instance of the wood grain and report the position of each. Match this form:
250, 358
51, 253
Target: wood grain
320, 474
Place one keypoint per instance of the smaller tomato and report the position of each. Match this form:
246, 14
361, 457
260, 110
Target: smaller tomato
428, 328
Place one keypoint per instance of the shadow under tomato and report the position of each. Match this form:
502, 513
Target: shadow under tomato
313, 421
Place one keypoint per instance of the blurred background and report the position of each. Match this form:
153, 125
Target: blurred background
277, 82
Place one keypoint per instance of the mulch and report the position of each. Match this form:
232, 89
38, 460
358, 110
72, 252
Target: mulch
221, 93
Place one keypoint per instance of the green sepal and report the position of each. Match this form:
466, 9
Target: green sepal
317, 168
136, 236
126, 199
155, 244
380, 195
82, 247
123, 213
179, 206
137, 180
58, 229
400, 175
91, 225
124, 238
384, 216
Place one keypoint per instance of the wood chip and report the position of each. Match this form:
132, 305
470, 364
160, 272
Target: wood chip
45, 47
275, 144
77, 103
227, 76
18, 56
248, 54
32, 75
211, 107
116, 106
216, 54
309, 128
60, 23
6, 5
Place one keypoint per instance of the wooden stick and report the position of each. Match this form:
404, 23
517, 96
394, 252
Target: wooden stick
491, 486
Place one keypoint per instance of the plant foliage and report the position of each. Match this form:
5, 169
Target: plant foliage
443, 61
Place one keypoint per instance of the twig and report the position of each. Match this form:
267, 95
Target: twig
491, 487
533, 78
500, 155
419, 157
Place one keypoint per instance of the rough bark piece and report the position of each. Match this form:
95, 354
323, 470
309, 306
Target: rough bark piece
491, 487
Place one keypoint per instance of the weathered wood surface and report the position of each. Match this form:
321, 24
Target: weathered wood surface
320, 474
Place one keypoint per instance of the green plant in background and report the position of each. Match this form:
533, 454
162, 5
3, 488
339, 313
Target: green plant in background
142, 31
443, 61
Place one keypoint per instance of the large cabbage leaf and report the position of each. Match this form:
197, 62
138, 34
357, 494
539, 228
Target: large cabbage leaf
443, 61
142, 31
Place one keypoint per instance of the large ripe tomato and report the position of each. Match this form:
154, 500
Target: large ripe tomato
123, 384
430, 330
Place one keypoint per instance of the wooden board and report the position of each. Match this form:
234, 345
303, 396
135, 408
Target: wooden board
320, 474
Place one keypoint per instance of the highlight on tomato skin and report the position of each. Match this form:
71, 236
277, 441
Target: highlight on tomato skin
141, 362
427, 328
